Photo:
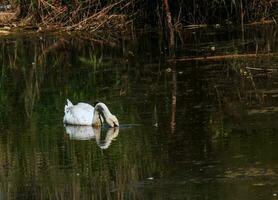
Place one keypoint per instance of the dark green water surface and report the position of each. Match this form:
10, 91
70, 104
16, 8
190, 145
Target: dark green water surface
195, 130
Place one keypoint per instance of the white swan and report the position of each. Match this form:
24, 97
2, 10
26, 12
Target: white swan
85, 114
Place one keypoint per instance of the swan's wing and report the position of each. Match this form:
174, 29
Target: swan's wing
89, 107
85, 106
80, 114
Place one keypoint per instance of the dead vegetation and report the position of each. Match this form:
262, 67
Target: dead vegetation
91, 16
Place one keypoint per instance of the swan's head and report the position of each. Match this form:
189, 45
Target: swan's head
112, 121
102, 110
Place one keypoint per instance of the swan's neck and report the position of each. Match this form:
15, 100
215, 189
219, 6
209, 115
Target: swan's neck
97, 119
101, 112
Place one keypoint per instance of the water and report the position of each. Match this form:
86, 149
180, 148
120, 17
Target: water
216, 140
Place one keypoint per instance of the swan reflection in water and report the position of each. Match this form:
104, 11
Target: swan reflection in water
89, 132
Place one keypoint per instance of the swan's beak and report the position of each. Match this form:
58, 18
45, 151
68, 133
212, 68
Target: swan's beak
113, 121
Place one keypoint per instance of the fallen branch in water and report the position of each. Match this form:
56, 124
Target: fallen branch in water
262, 22
220, 57
261, 69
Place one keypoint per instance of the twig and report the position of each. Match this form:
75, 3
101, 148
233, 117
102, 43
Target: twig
220, 57
50, 5
96, 15
261, 69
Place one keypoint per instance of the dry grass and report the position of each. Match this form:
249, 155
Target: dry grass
107, 19
6, 17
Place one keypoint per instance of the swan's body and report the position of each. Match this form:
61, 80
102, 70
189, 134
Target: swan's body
85, 114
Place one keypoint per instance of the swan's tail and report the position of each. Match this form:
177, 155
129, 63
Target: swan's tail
69, 104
